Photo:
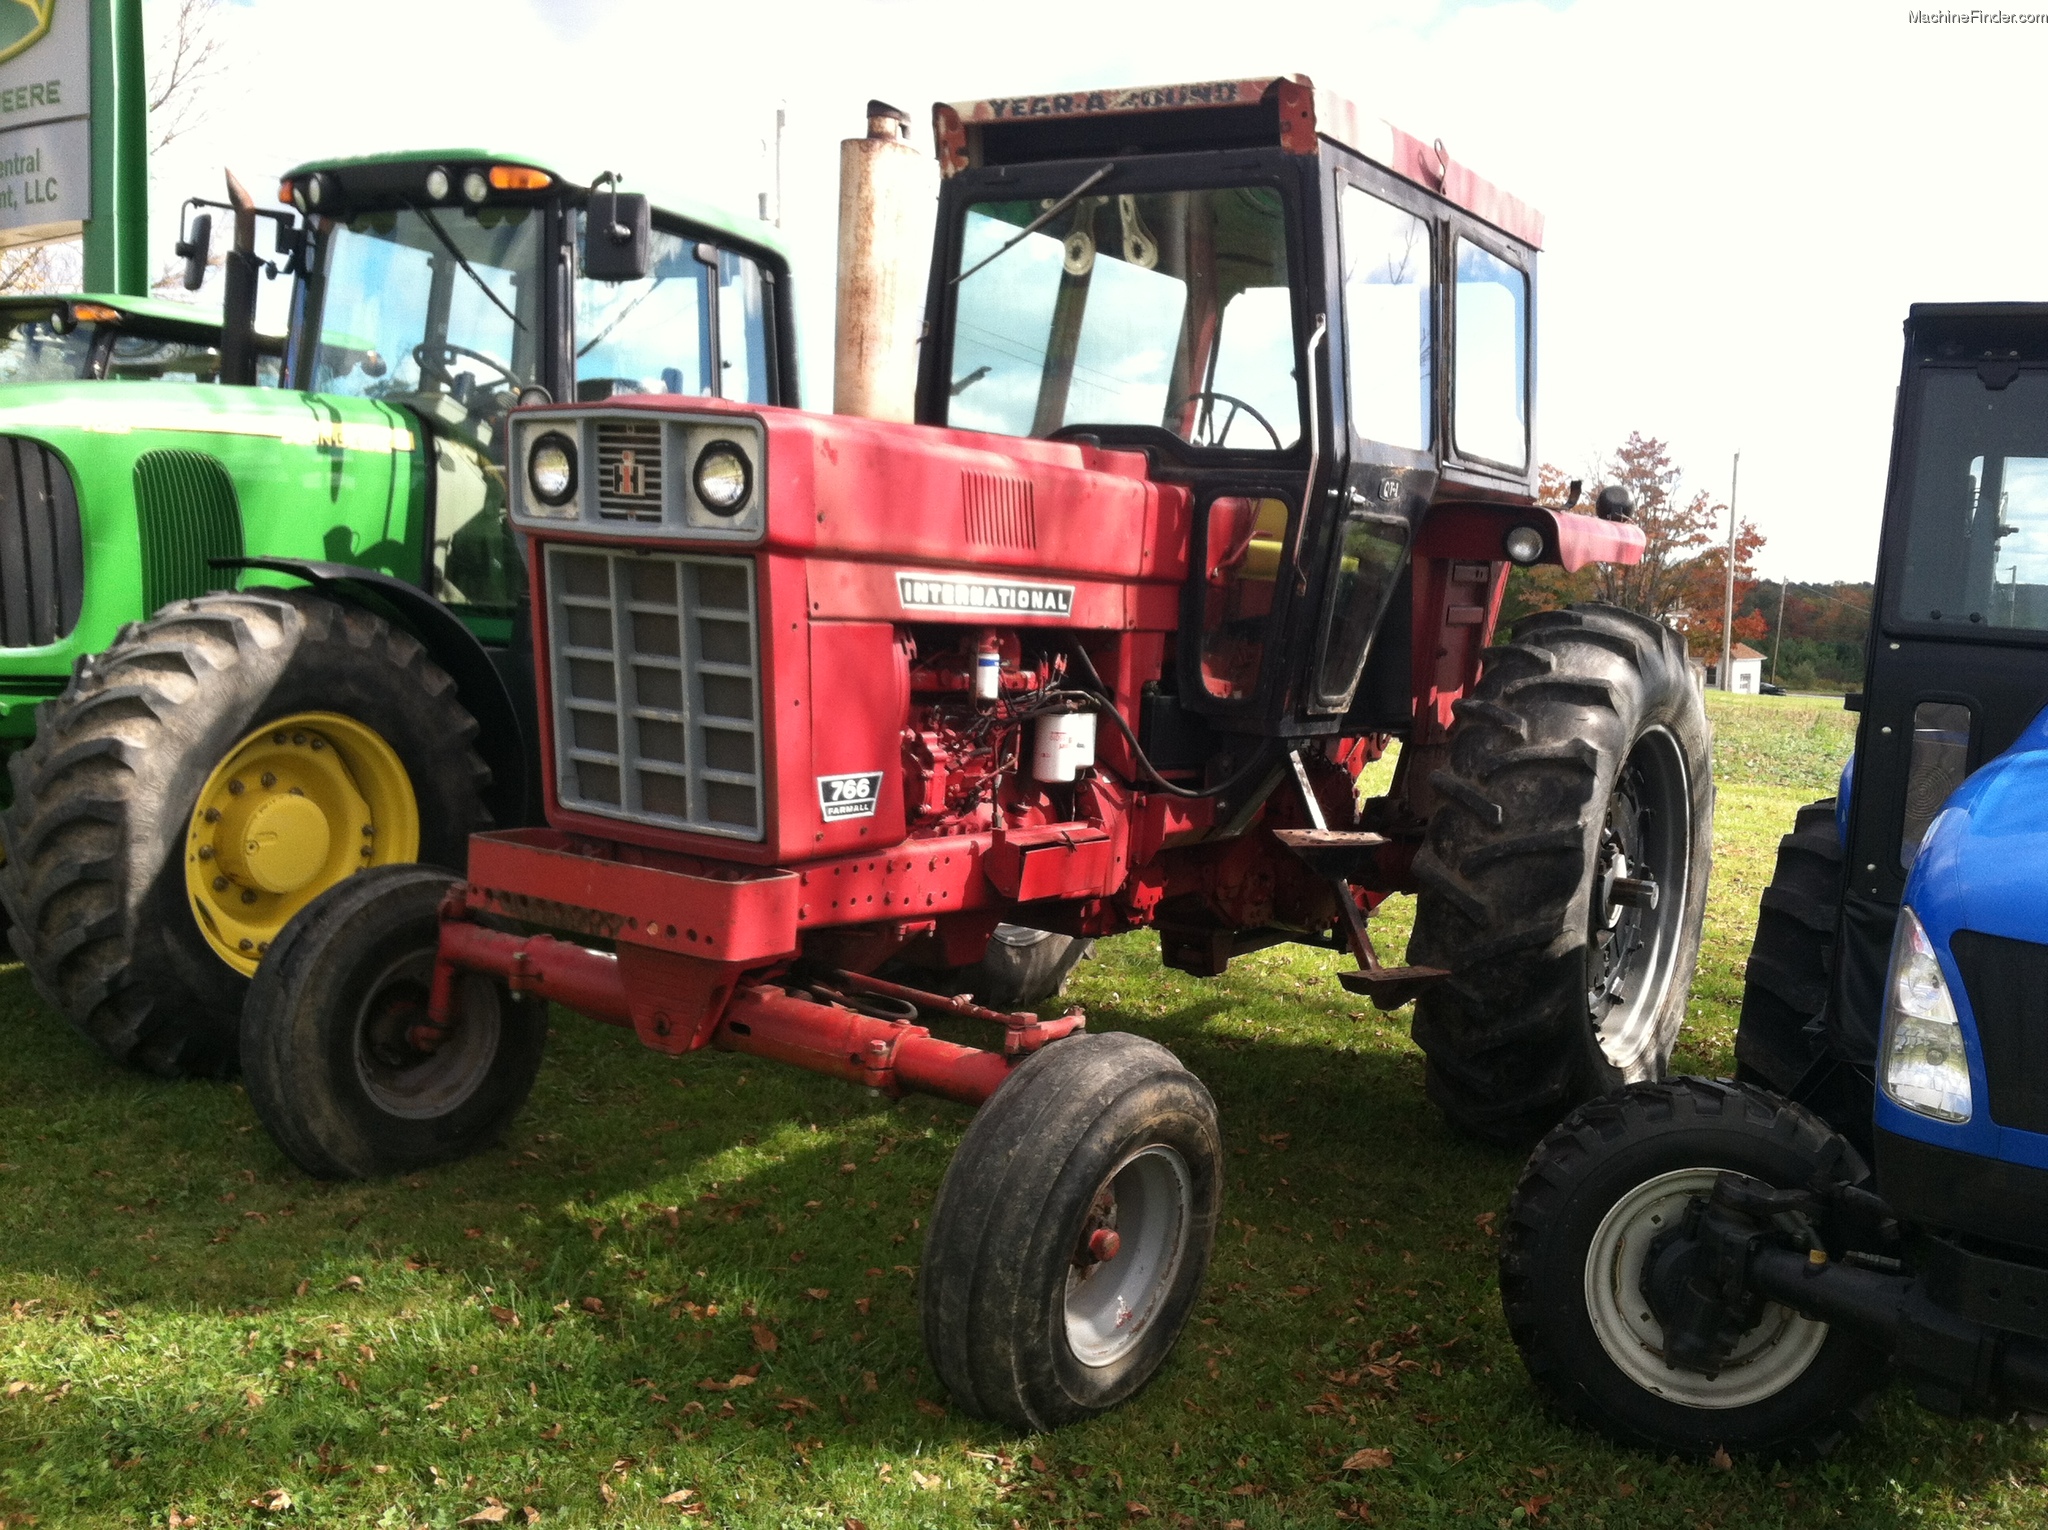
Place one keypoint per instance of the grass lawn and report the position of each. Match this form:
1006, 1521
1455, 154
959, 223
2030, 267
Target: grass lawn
695, 1278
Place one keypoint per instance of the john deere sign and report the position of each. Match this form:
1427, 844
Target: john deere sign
45, 119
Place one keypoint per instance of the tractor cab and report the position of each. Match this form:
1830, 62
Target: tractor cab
1319, 324
91, 336
454, 284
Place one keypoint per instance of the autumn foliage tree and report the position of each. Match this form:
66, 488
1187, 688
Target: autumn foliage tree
1681, 577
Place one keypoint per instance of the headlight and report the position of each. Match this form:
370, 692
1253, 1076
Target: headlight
723, 477
1921, 1059
551, 472
1524, 544
437, 185
475, 187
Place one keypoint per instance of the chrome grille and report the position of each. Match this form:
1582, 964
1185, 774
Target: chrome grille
629, 470
657, 689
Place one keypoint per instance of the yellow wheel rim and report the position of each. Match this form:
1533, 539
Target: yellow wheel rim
291, 810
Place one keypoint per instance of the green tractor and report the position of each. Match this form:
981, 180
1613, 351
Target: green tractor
88, 336
253, 640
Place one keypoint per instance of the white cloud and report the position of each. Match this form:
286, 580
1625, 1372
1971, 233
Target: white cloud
1742, 198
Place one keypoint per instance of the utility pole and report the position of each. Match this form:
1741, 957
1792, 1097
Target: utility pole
781, 121
1778, 641
1728, 604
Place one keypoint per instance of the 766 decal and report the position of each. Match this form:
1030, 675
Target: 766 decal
851, 796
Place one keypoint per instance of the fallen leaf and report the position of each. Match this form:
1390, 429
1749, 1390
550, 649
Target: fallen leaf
1369, 1459
274, 1501
506, 1316
817, 1293
494, 1515
350, 1283
680, 1495
530, 1514
1719, 1460
765, 1340
552, 1432
1535, 1506
1038, 1464
594, 1304
743, 1379
1624, 1489
868, 1382
302, 1288
935, 1410
1245, 1490
928, 1484
474, 1232
253, 1397
1137, 1510
850, 1523
606, 1492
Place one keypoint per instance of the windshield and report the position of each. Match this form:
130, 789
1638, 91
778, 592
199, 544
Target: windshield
31, 351
1977, 538
438, 308
668, 332
1160, 308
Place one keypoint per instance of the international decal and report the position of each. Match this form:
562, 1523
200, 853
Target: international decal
960, 592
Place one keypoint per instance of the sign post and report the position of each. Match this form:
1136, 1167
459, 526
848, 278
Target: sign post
74, 134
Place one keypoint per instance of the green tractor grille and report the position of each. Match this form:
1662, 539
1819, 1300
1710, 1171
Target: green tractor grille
186, 513
42, 559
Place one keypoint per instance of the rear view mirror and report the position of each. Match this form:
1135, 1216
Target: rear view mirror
618, 237
1614, 503
197, 249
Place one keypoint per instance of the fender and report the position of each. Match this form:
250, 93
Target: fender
503, 737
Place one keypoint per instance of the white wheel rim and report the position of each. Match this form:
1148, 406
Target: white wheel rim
1110, 1305
1767, 1359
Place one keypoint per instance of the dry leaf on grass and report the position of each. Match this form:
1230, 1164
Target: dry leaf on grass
1137, 1510
350, 1283
1369, 1459
928, 1484
274, 1501
494, 1514
594, 1304
765, 1340
1535, 1506
817, 1293
680, 1495
505, 1317
1720, 1461
926, 1406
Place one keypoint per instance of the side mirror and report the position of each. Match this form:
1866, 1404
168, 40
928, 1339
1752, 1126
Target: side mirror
618, 240
1615, 504
197, 249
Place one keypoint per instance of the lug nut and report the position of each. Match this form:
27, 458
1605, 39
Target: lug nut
298, 738
220, 884
206, 852
368, 831
277, 737
367, 852
248, 945
248, 895
234, 788
269, 779
213, 815
319, 743
1104, 1244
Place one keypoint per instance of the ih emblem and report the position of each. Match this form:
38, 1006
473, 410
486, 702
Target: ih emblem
23, 25
629, 474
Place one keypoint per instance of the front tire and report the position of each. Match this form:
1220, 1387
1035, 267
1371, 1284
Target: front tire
328, 1040
203, 780
1597, 1190
1579, 770
1072, 1232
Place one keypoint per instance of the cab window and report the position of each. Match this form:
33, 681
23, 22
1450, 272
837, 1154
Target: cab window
1388, 321
695, 325
1490, 369
31, 350
145, 358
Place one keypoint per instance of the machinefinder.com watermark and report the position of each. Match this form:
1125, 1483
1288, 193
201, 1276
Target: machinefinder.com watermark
1945, 18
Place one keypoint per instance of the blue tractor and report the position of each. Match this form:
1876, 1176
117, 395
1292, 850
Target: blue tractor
1695, 1265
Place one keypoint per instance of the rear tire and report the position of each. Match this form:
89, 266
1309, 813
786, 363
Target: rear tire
1021, 1322
98, 837
325, 1055
1793, 1388
1581, 758
1792, 958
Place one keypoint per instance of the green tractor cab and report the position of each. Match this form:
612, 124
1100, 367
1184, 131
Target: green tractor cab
299, 647
94, 336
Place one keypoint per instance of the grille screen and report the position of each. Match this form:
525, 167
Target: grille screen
42, 557
629, 470
657, 689
186, 512
2007, 981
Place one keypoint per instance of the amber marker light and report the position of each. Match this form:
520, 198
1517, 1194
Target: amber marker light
520, 178
284, 193
95, 313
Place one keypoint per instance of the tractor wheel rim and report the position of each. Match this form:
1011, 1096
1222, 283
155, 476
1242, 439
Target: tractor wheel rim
1767, 1359
1632, 953
293, 808
421, 1083
1147, 1200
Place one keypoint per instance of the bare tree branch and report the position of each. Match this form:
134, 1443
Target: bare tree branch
187, 54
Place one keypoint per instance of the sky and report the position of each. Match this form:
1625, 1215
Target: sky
1742, 199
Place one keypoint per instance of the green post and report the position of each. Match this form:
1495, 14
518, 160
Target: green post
117, 234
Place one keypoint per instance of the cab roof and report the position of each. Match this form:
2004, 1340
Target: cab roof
705, 214
163, 309
1290, 110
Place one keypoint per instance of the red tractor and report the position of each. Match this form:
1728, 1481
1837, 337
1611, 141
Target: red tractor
1222, 455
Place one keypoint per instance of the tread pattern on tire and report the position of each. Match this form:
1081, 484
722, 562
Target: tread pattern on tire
90, 840
1792, 958
1552, 1355
1505, 875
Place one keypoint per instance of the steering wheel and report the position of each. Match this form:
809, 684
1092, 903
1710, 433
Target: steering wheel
1237, 406
449, 352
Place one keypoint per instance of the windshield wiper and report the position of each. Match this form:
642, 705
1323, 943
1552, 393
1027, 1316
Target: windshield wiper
1037, 223
619, 318
468, 270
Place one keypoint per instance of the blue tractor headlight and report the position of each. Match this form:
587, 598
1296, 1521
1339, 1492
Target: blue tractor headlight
1921, 1059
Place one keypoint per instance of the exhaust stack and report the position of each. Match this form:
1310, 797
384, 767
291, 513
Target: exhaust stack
888, 196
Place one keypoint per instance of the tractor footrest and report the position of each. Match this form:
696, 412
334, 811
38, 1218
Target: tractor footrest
1391, 987
1331, 852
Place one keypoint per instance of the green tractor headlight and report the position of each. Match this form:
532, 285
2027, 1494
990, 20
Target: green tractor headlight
723, 477
551, 473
